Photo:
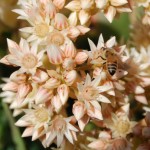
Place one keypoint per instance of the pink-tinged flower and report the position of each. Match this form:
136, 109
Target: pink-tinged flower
112, 7
60, 21
39, 15
138, 73
29, 10
24, 56
102, 63
55, 54
97, 53
36, 121
60, 128
120, 126
89, 94
91, 90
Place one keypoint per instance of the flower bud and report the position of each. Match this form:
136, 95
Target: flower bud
63, 92
52, 83
70, 50
23, 90
81, 57
40, 76
43, 95
73, 32
55, 54
78, 110
69, 64
70, 77
60, 21
56, 102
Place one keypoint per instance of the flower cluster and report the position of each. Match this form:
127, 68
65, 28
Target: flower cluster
103, 86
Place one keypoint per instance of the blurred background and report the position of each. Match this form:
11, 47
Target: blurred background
10, 135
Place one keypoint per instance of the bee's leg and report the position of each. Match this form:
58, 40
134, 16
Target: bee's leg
102, 58
104, 48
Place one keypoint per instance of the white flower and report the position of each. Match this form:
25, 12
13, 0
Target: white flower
59, 128
22, 55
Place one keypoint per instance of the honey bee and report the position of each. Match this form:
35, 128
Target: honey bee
111, 60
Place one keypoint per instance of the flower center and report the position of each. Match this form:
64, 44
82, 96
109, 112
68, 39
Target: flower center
123, 126
59, 124
41, 29
29, 61
90, 93
56, 38
41, 115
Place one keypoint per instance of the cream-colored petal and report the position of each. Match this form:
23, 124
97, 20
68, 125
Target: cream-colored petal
73, 19
92, 45
84, 16
83, 29
63, 92
111, 42
100, 42
74, 5
82, 122
28, 132
118, 2
103, 99
110, 13
59, 3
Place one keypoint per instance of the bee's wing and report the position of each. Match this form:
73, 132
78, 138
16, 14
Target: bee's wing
120, 73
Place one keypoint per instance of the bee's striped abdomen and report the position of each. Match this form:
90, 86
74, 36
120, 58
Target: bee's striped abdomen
112, 67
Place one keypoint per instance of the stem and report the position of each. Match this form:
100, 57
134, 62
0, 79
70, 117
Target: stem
16, 136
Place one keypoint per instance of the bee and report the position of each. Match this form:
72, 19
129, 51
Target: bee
111, 60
